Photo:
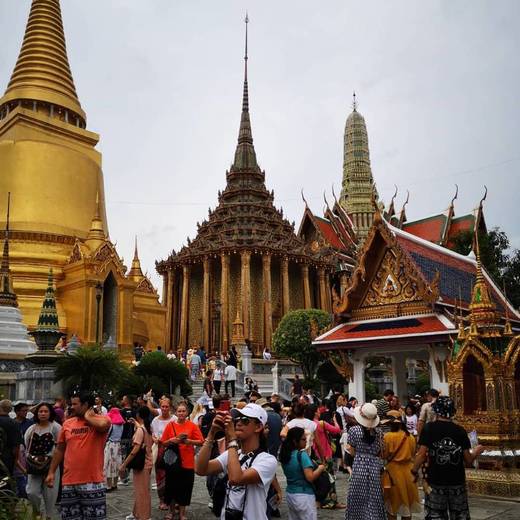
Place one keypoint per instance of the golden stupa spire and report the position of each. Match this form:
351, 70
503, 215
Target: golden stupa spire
7, 295
136, 274
482, 308
42, 72
96, 236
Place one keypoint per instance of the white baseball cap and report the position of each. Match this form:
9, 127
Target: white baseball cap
254, 411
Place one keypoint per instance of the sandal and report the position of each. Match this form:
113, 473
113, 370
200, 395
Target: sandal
163, 507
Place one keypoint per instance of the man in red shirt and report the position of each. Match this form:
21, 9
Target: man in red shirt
81, 448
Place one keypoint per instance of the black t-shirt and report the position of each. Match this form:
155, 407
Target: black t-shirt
446, 443
11, 438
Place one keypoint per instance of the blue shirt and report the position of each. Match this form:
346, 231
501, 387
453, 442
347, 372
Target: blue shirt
296, 482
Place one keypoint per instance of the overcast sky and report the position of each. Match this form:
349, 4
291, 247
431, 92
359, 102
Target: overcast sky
161, 82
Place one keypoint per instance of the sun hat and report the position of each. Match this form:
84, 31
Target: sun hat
396, 414
262, 401
444, 406
115, 416
366, 415
254, 411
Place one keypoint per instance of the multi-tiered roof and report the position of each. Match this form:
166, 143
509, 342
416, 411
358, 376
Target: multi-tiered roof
245, 217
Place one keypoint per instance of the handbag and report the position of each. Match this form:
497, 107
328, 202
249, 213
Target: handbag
322, 485
137, 462
37, 464
386, 479
171, 457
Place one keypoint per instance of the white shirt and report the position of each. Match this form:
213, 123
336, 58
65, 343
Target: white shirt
218, 375
231, 373
256, 505
159, 424
309, 427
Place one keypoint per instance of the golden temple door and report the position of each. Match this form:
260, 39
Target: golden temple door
474, 386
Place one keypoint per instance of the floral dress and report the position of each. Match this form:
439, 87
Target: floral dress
365, 493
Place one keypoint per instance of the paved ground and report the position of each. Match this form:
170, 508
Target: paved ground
120, 504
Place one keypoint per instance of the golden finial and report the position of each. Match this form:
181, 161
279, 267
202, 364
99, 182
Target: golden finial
304, 200
354, 101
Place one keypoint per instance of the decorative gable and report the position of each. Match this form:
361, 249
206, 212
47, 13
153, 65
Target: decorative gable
386, 283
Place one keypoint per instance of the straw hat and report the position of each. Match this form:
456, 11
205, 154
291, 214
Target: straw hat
366, 415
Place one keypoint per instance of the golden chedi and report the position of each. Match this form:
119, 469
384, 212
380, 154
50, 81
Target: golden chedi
49, 163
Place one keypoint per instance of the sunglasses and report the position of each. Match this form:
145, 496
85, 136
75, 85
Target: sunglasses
243, 419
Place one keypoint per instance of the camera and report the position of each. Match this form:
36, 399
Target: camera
233, 514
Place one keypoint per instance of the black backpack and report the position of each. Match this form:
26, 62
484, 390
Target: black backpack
220, 486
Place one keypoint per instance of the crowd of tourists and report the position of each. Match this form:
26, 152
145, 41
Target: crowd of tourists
70, 454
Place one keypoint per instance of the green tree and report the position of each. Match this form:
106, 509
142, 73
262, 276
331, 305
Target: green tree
91, 368
504, 268
512, 278
293, 338
162, 374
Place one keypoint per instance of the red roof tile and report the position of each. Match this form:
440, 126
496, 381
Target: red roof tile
430, 228
329, 234
385, 328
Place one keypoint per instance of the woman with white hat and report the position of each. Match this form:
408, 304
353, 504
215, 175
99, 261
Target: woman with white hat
365, 494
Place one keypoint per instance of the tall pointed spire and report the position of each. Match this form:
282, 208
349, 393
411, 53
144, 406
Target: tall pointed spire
42, 72
136, 273
96, 236
7, 295
482, 308
358, 187
245, 156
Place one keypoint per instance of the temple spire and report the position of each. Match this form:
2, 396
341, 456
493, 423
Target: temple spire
42, 72
96, 235
245, 156
136, 273
7, 295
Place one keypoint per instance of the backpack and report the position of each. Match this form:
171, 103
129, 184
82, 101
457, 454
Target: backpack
3, 441
220, 487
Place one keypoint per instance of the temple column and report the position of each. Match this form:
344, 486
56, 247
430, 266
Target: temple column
306, 287
224, 287
168, 301
343, 284
399, 384
183, 339
245, 291
268, 315
322, 285
206, 297
285, 286
356, 386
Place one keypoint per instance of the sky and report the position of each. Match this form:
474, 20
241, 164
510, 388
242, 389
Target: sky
161, 82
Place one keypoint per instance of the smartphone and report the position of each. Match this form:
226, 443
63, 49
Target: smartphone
224, 406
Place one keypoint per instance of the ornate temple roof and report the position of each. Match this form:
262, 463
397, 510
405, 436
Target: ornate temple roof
245, 217
42, 72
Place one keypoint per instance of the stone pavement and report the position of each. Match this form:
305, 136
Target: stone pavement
120, 504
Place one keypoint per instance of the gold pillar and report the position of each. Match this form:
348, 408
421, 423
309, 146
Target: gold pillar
168, 299
245, 291
306, 287
206, 302
183, 339
343, 284
285, 285
268, 315
224, 287
322, 285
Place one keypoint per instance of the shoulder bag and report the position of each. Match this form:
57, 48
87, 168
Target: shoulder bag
171, 458
137, 462
37, 464
386, 479
322, 485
